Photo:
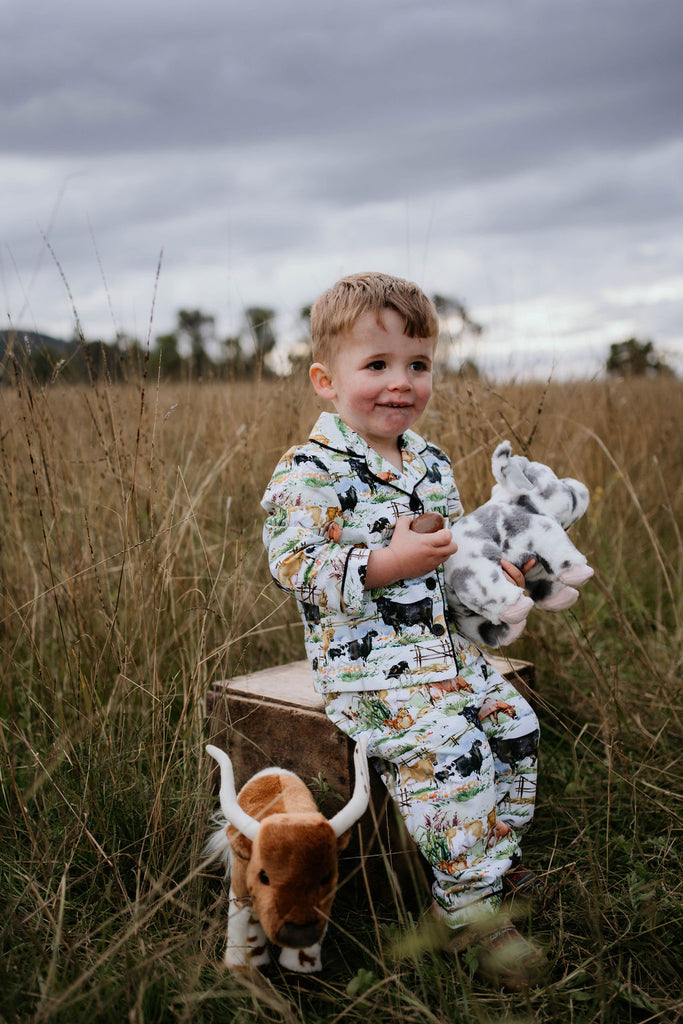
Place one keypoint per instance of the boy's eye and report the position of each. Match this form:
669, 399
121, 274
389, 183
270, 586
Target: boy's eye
420, 366
376, 364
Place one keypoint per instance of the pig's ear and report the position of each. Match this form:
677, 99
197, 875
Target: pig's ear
239, 844
343, 840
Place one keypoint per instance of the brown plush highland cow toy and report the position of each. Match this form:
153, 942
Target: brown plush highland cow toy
282, 858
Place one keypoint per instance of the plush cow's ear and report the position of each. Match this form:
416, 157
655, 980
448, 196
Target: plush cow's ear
516, 476
343, 840
240, 845
508, 470
580, 500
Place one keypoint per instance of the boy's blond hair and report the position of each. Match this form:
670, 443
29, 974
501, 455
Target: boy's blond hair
338, 309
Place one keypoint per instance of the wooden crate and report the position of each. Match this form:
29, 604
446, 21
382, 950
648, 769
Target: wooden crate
275, 717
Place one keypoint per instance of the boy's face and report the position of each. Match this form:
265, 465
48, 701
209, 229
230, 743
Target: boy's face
379, 381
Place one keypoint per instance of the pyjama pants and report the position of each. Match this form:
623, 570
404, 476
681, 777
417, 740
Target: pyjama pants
459, 759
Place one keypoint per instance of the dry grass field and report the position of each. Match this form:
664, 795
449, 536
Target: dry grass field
133, 574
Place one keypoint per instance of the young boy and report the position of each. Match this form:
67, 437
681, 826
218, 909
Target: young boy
454, 742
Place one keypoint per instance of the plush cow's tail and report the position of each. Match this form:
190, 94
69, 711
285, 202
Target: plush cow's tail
217, 846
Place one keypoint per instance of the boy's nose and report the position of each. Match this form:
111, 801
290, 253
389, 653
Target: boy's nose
400, 382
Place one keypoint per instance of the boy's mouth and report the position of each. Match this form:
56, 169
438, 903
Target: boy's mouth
395, 405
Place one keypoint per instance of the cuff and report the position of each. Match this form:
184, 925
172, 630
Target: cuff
353, 592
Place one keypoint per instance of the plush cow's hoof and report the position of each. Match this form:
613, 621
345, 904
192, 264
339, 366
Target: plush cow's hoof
514, 632
243, 969
559, 601
301, 961
518, 611
576, 576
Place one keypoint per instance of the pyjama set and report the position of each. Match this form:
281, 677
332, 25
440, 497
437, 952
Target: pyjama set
454, 742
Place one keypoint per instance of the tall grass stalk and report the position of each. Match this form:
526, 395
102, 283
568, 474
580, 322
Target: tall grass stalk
133, 575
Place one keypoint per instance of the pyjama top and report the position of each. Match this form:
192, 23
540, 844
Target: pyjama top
330, 502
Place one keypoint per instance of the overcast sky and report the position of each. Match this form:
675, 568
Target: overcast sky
524, 156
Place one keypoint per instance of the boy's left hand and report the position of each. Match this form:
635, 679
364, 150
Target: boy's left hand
514, 574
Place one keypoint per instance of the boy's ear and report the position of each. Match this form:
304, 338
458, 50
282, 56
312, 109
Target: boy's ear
321, 379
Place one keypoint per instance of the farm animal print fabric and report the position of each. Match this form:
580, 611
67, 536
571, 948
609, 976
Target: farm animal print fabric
459, 760
454, 741
330, 502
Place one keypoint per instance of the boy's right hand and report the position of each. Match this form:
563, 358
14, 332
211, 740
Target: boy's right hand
409, 554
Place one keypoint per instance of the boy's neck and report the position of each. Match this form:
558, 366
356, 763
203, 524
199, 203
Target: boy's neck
388, 448
391, 453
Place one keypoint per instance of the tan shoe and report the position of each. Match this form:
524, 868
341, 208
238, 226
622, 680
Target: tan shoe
504, 957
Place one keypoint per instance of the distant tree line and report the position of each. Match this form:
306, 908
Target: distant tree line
193, 350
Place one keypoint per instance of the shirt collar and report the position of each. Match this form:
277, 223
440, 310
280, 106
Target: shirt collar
330, 431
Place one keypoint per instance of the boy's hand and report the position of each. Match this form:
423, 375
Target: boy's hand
408, 555
514, 574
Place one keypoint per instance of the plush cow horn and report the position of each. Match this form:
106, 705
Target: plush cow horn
356, 806
242, 821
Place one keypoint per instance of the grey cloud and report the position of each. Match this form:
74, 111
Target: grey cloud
522, 148
237, 73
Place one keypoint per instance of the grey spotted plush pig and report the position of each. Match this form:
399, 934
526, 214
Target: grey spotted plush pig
526, 517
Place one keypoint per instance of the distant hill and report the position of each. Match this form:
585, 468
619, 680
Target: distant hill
33, 341
52, 359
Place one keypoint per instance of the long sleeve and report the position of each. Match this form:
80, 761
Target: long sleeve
303, 537
330, 503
